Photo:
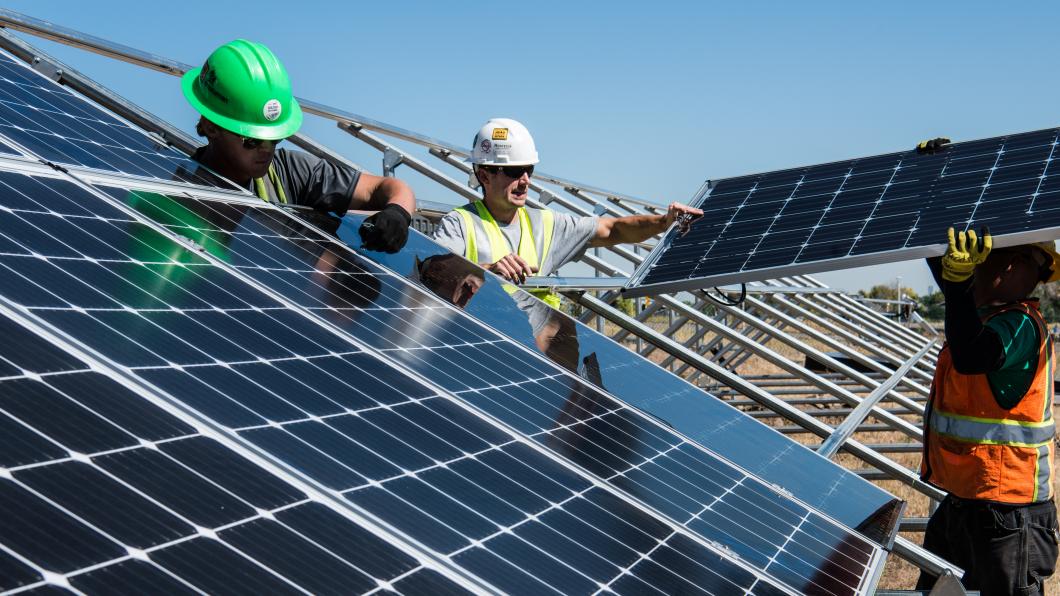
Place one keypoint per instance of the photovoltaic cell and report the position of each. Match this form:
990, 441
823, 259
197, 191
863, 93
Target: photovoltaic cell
862, 211
488, 371
102, 491
468, 488
60, 127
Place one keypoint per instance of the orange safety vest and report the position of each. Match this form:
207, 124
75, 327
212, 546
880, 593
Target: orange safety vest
973, 448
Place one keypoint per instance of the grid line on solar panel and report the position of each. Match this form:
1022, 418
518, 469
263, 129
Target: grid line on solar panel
80, 512
52, 123
407, 352
535, 459
880, 209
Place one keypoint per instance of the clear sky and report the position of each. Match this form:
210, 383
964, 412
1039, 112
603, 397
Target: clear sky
645, 98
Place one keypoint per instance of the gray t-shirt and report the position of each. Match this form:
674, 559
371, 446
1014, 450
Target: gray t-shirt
570, 238
311, 181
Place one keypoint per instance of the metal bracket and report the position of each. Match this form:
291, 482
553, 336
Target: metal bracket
46, 68
947, 584
546, 196
391, 160
158, 138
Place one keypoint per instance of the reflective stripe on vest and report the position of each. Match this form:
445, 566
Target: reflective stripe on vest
499, 246
993, 432
975, 449
263, 190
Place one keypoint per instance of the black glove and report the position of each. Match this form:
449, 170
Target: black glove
387, 230
931, 146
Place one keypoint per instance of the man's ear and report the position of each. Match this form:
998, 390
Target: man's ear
480, 174
210, 130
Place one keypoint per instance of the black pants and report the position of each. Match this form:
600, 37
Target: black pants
1003, 549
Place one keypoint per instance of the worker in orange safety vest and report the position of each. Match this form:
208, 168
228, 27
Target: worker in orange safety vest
988, 426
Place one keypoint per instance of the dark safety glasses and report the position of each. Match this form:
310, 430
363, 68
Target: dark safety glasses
251, 144
512, 172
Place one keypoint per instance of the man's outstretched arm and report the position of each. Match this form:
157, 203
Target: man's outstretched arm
638, 228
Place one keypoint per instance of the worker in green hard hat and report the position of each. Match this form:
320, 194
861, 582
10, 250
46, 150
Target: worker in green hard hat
244, 96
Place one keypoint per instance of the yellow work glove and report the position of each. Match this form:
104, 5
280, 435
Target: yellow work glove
932, 145
964, 253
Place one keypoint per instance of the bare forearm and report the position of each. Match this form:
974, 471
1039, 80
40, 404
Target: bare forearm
629, 229
392, 191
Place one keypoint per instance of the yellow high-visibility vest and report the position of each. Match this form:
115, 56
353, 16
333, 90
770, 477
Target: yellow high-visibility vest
262, 190
499, 247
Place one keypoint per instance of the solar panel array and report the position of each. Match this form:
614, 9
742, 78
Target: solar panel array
644, 385
868, 210
223, 399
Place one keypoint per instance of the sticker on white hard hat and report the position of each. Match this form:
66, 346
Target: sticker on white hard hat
486, 145
272, 110
500, 134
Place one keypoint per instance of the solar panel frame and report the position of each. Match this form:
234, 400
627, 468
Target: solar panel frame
987, 175
681, 534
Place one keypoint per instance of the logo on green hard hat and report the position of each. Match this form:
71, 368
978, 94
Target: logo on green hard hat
272, 110
242, 87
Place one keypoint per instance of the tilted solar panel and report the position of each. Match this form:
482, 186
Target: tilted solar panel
478, 497
643, 384
862, 211
57, 126
103, 491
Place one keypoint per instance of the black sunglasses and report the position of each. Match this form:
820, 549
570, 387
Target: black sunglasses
512, 172
251, 144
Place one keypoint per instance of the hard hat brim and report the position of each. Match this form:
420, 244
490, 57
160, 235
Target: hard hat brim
1050, 249
285, 126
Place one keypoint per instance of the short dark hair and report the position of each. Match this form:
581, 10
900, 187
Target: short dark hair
200, 126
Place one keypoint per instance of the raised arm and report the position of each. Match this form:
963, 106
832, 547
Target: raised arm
638, 228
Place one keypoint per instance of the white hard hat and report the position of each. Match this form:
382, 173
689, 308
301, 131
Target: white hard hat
502, 142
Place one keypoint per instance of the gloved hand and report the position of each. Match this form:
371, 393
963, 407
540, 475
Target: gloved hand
387, 230
964, 253
931, 146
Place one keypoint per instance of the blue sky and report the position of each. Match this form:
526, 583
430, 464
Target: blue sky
649, 99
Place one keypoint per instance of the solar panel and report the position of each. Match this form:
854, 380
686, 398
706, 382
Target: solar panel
55, 125
644, 385
862, 211
103, 491
413, 328
341, 419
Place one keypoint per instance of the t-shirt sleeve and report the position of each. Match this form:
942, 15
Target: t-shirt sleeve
570, 237
316, 182
1019, 339
450, 233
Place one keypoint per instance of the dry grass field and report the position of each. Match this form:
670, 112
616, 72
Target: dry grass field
898, 574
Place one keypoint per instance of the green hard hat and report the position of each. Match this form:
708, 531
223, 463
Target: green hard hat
244, 89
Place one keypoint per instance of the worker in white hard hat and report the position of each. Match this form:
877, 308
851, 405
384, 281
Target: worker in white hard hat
510, 239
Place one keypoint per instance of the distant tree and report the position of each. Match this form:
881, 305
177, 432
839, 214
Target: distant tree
886, 292
1049, 297
627, 306
932, 306
573, 309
